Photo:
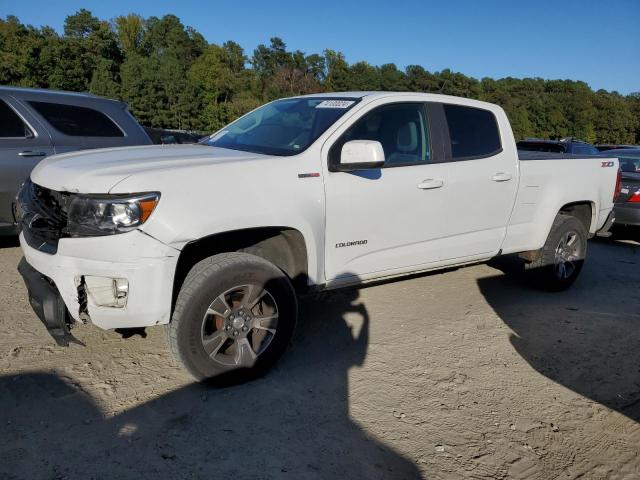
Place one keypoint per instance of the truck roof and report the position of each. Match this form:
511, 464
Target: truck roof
434, 97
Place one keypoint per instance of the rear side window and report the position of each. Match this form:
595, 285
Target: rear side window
11, 125
77, 121
473, 132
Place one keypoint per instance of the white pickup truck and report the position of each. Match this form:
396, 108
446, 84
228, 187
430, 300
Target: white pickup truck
313, 192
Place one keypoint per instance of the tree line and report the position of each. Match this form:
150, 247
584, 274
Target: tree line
171, 77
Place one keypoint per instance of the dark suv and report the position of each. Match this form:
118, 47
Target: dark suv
565, 145
35, 123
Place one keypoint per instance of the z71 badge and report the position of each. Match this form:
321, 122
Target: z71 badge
608, 164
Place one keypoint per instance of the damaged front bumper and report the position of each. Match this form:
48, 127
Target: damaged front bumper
137, 268
47, 304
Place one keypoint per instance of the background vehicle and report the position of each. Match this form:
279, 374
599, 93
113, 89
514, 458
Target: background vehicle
313, 192
163, 136
35, 123
627, 207
565, 145
607, 147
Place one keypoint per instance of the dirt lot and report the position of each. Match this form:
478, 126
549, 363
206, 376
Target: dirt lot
464, 374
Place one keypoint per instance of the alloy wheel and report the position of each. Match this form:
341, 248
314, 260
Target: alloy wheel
239, 325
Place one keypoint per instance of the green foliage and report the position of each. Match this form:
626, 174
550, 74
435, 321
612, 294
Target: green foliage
130, 32
171, 77
105, 79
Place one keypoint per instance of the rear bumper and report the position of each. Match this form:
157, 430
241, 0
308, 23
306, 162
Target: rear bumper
47, 303
627, 213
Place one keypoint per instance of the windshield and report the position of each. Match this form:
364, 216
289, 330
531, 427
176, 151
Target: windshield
284, 127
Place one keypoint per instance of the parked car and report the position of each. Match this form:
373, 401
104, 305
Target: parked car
35, 123
314, 192
606, 147
565, 145
163, 136
627, 207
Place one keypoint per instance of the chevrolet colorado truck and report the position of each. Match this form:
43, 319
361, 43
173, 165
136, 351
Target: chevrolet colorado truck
216, 240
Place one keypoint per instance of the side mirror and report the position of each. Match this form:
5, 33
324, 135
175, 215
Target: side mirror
360, 155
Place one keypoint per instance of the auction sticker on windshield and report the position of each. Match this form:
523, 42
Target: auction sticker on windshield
335, 104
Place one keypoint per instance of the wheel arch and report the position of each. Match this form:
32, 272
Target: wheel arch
285, 247
584, 211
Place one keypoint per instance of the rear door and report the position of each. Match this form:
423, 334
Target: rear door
23, 143
483, 180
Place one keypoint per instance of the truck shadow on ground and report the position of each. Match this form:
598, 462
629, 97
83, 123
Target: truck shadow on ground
293, 423
587, 337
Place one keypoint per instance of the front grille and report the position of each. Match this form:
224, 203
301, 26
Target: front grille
43, 215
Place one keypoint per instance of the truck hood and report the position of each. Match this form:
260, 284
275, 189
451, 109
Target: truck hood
99, 171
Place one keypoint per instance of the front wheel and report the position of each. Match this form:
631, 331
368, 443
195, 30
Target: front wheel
560, 260
233, 319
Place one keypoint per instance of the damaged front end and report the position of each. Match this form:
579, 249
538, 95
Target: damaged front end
48, 304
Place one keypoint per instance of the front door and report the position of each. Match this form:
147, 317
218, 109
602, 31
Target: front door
388, 220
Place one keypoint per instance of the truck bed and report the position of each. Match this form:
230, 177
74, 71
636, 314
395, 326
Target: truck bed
525, 155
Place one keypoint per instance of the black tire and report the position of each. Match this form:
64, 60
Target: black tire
554, 269
207, 341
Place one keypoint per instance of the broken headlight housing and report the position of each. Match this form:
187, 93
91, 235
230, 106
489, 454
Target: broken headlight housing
95, 215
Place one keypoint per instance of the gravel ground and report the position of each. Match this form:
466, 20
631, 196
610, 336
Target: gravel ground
463, 374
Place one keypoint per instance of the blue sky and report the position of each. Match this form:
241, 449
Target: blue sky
592, 40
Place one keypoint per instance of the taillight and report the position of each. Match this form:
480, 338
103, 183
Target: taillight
635, 198
616, 191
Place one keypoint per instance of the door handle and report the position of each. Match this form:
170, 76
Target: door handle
430, 183
30, 153
501, 177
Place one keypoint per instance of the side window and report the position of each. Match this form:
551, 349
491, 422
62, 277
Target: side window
11, 125
402, 130
77, 121
473, 132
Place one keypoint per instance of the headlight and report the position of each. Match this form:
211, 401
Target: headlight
94, 215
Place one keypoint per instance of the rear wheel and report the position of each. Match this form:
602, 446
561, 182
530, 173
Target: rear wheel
234, 317
560, 260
